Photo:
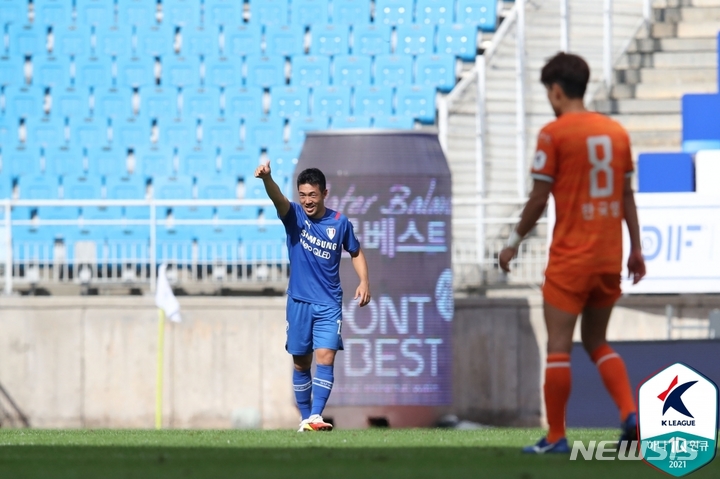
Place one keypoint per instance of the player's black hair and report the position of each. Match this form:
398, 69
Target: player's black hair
312, 176
569, 71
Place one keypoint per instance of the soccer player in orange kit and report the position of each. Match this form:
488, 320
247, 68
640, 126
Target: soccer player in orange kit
583, 158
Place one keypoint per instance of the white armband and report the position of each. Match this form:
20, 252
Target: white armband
514, 240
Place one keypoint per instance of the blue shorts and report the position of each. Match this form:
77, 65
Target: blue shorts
312, 326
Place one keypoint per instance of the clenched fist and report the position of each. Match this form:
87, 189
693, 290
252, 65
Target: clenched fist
263, 171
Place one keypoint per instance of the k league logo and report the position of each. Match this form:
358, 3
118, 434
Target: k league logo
678, 414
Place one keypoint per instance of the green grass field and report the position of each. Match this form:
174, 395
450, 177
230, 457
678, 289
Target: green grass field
374, 454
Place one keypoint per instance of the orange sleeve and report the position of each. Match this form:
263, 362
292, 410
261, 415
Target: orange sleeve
544, 167
629, 168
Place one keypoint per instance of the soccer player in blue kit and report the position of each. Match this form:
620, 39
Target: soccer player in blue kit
316, 236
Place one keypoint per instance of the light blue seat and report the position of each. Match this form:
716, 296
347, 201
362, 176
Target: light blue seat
181, 72
179, 134
82, 188
11, 71
264, 131
393, 70
138, 72
114, 41
27, 40
331, 101
33, 244
216, 187
100, 13
6, 183
107, 162
300, 127
38, 187
373, 101
133, 133
416, 101
140, 13
434, 12
394, 12
65, 161
70, 103
200, 42
24, 102
221, 133
12, 11
154, 161
329, 39
180, 188
243, 103
350, 70
174, 245
415, 39
93, 72
481, 13
457, 39
201, 103
237, 213
265, 72
350, 12
9, 133
284, 40
310, 71
269, 12
435, 70
102, 213
394, 122
240, 162
283, 160
223, 12
115, 103
198, 161
129, 246
88, 132
350, 122
72, 41
156, 40
56, 13
371, 39
243, 40
289, 102
48, 132
156, 102
308, 12
223, 72
51, 71
126, 188
218, 243
182, 13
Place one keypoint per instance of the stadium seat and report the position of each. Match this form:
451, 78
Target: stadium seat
182, 13
88, 132
198, 161
181, 71
221, 133
437, 71
308, 12
329, 40
113, 103
414, 39
114, 41
45, 132
139, 72
174, 245
458, 40
11, 71
172, 188
223, 12
38, 187
265, 72
481, 13
434, 12
371, 40
55, 13
6, 184
700, 122
27, 40
12, 11
373, 101
200, 103
24, 102
178, 134
100, 13
243, 103
351, 71
289, 102
242, 40
394, 122
416, 101
264, 132
51, 71
216, 187
65, 161
156, 102
108, 162
128, 187
310, 71
70, 103
393, 70
240, 162
72, 41
156, 41
269, 12
665, 173
102, 213
200, 42
331, 101
82, 187
284, 40
223, 72
9, 133
707, 172
394, 12
283, 160
93, 72
299, 128
349, 122
139, 13
154, 161
350, 12
133, 133
218, 244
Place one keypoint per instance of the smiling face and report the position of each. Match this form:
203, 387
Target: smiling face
312, 200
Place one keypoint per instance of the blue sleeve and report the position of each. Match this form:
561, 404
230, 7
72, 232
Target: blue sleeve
350, 241
290, 219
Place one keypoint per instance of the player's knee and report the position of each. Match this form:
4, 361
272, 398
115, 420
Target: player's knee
302, 363
590, 344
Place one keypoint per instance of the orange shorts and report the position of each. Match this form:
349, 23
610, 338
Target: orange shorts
573, 294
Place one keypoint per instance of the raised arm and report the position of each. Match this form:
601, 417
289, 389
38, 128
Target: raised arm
636, 262
282, 204
361, 268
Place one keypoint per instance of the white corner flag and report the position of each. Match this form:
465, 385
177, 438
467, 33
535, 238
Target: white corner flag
164, 297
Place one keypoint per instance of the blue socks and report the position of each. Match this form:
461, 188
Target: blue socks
302, 383
321, 387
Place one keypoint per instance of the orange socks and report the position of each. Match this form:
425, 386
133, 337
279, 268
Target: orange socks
557, 393
614, 376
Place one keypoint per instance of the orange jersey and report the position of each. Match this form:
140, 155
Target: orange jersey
587, 157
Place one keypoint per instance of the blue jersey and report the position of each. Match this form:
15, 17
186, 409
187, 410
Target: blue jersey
315, 248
